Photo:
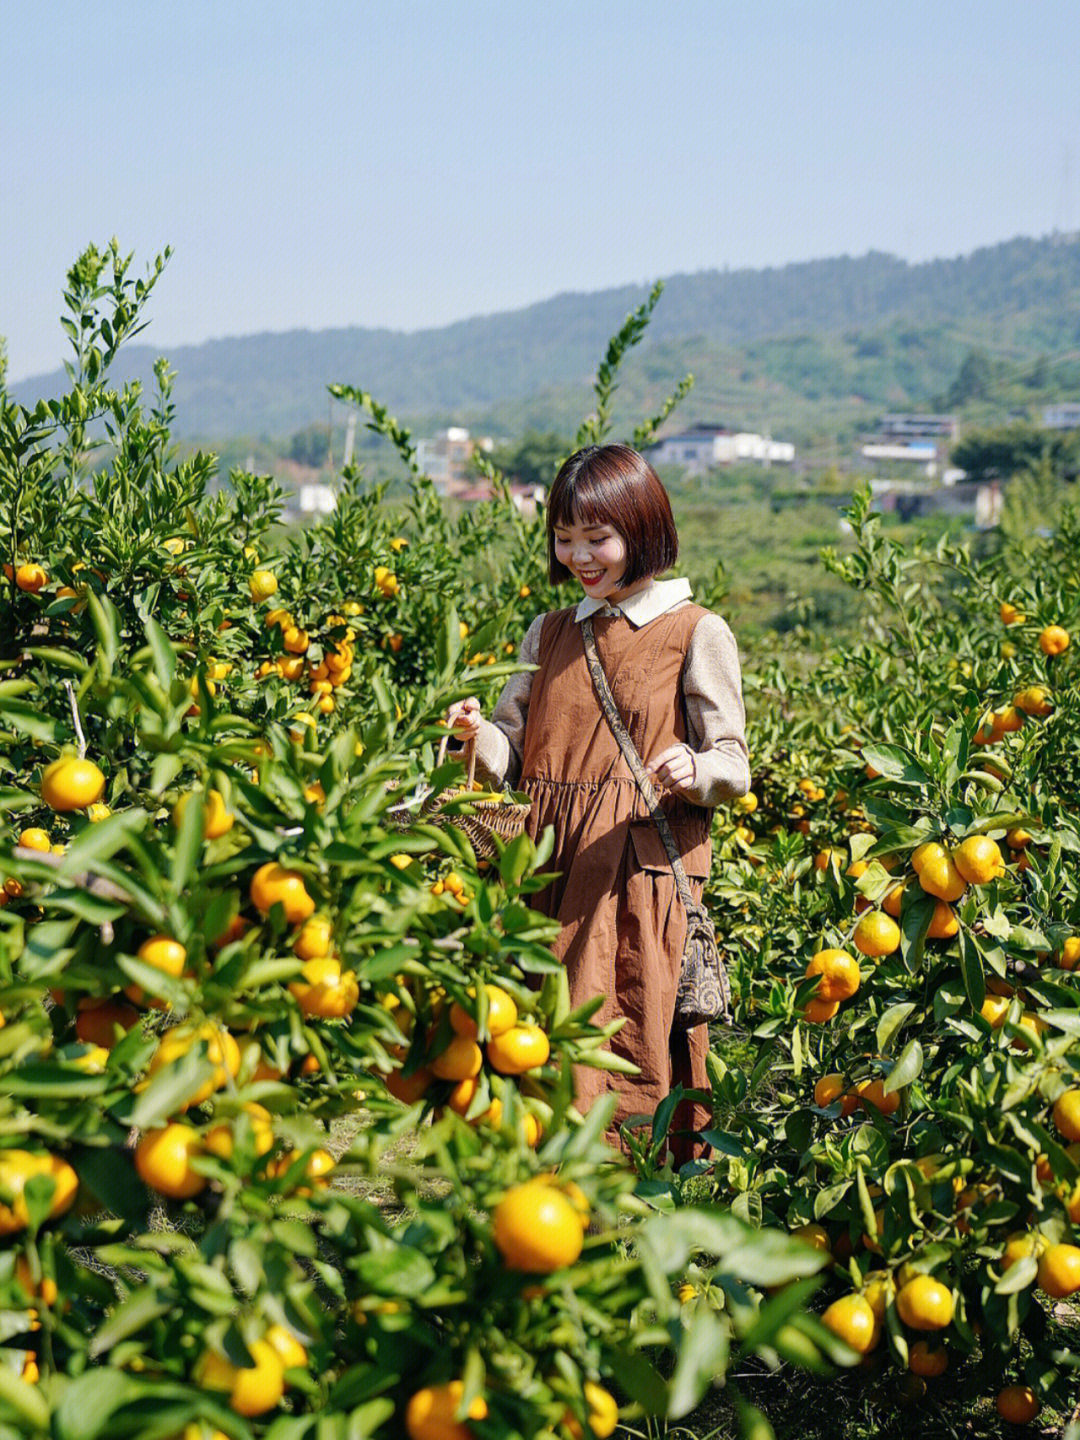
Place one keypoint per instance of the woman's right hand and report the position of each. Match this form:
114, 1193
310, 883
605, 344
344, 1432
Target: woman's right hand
463, 717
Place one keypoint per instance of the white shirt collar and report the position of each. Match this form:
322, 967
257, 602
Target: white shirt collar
656, 598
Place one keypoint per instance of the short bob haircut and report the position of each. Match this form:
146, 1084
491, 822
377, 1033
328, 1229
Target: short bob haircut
614, 485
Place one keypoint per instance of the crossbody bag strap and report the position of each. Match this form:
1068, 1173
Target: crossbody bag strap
633, 759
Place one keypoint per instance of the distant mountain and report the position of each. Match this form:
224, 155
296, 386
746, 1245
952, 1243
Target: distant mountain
804, 347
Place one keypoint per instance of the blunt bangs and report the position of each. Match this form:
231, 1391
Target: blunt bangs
614, 485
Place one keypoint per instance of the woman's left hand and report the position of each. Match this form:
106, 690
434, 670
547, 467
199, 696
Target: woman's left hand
674, 767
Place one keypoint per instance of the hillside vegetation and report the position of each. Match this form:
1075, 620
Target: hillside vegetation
812, 350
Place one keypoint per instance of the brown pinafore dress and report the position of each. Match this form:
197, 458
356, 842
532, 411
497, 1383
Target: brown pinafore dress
623, 926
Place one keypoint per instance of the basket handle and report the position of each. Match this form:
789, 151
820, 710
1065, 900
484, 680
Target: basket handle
468, 754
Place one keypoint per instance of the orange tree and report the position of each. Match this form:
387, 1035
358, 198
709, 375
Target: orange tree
288, 1143
904, 920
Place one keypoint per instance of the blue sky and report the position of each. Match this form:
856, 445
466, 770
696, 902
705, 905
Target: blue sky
406, 163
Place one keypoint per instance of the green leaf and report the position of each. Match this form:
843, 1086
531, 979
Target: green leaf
752, 1423
90, 1400
515, 860
971, 969
106, 622
896, 763
164, 654
914, 922
189, 842
703, 1357
398, 1271
890, 1024
141, 1308
448, 643
908, 1066
116, 1185
30, 720
1019, 1276
641, 1380
101, 841
56, 1082
27, 1401
171, 1088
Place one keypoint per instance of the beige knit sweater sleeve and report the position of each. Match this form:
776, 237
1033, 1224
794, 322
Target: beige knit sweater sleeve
501, 740
712, 688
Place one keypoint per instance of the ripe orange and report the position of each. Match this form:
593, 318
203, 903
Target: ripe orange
839, 974
430, 1413
97, 1025
1020, 1244
519, 1049
291, 1353
877, 1293
325, 990
1059, 1270
1017, 1404
943, 923
31, 578
876, 934
263, 584
1053, 640
816, 1236
19, 1166
1066, 1114
71, 784
217, 819
978, 859
314, 939
994, 1009
408, 1088
272, 884
1006, 721
939, 876
927, 1359
871, 1095
925, 1303
1010, 614
831, 1088
1070, 953
603, 1411
893, 900
461, 1060
221, 1050
852, 1319
164, 954
252, 1389
1035, 700
536, 1228
35, 839
163, 1160
817, 1012
220, 1139
502, 1014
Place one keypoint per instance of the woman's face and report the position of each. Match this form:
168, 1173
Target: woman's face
595, 554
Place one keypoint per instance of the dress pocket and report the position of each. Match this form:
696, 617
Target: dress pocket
630, 690
695, 849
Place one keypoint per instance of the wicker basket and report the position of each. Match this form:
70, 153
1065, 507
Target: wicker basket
502, 819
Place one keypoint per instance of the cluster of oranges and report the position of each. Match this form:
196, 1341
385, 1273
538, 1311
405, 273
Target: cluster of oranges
481, 1041
323, 676
1053, 639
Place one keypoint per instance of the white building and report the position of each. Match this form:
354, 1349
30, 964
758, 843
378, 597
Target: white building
921, 440
704, 446
1065, 416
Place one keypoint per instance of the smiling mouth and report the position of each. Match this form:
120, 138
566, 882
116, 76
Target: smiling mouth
590, 577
